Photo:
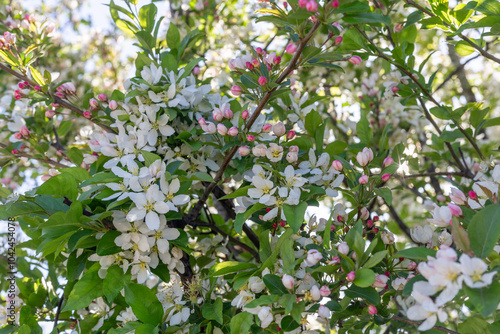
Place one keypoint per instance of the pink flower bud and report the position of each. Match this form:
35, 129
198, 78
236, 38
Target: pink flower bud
380, 281
338, 40
395, 89
335, 260
313, 257
476, 167
37, 88
222, 129
363, 179
343, 248
94, 104
458, 197
315, 293
312, 6
236, 90
102, 97
388, 161
202, 121
325, 291
87, 114
228, 113
412, 265
217, 115
50, 27
245, 114
292, 157
372, 309
50, 113
290, 135
277, 60
259, 51
303, 3
351, 276
337, 165
440, 198
355, 60
398, 27
250, 138
288, 281
46, 177
456, 211
335, 4
244, 151
364, 157
54, 105
24, 131
255, 62
18, 135
364, 213
210, 128
386, 177
291, 48
113, 105
293, 148
60, 95
196, 70
279, 129
266, 128
233, 131
249, 65
262, 80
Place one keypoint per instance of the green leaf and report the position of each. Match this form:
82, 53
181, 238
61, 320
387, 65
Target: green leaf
295, 215
366, 18
385, 193
417, 253
242, 191
274, 284
144, 303
441, 113
114, 282
364, 131
55, 184
242, 217
107, 245
37, 76
149, 157
484, 230
213, 311
241, 323
364, 278
375, 259
264, 300
173, 37
369, 294
27, 318
229, 267
335, 148
289, 324
248, 81
485, 299
88, 288
147, 15
464, 49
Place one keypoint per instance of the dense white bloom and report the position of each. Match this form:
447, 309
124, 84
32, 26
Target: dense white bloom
170, 190
422, 234
263, 191
441, 217
256, 284
243, 298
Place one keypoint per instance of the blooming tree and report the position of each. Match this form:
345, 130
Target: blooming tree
270, 167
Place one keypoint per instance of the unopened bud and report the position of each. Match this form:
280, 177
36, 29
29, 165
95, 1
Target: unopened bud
244, 151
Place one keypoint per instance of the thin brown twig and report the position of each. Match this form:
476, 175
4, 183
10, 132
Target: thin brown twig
483, 52
26, 155
56, 99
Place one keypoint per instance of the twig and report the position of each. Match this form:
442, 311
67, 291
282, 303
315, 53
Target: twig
58, 312
431, 174
56, 99
195, 211
26, 155
463, 37
439, 328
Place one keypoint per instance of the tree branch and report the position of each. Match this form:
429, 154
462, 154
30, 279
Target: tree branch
195, 211
56, 99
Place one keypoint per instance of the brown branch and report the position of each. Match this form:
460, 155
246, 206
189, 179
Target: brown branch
463, 37
439, 328
26, 155
431, 174
195, 211
58, 312
56, 99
